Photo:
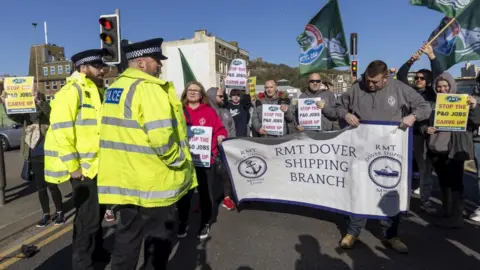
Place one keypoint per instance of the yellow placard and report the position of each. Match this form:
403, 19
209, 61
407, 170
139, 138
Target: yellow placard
252, 84
451, 112
19, 95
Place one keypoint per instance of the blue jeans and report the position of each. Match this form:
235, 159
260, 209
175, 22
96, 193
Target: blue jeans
477, 163
389, 226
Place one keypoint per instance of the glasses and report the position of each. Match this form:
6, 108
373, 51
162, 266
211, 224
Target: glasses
419, 78
193, 91
220, 96
315, 81
235, 95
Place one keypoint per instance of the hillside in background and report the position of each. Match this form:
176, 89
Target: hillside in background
268, 71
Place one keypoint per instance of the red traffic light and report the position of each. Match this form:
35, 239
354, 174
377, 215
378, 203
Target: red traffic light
106, 24
354, 65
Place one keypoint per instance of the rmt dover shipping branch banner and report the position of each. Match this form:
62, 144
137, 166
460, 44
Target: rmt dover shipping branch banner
363, 171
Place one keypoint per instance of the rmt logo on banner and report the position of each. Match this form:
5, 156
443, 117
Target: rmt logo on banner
385, 167
252, 166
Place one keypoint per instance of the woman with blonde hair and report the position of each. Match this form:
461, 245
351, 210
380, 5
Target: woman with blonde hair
198, 112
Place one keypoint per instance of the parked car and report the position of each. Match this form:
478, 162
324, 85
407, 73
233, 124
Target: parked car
10, 136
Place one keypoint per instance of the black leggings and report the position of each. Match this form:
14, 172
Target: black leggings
38, 166
449, 172
206, 179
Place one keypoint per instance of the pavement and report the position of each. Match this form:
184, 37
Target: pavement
260, 236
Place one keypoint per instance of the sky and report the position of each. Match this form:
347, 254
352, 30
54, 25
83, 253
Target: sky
390, 30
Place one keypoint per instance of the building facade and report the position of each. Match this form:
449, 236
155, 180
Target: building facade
470, 71
50, 68
208, 56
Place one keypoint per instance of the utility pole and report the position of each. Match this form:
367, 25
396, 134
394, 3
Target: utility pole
36, 56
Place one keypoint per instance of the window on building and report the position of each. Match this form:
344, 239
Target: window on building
67, 69
54, 85
47, 85
219, 49
224, 51
60, 69
226, 67
45, 71
49, 98
52, 70
62, 83
220, 66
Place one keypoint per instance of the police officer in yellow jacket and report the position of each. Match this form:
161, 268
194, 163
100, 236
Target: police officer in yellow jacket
71, 152
145, 164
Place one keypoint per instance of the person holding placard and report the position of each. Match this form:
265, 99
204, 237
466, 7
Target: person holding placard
272, 113
206, 132
449, 150
324, 105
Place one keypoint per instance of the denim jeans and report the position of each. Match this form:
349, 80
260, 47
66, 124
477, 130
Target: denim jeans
389, 226
477, 163
424, 167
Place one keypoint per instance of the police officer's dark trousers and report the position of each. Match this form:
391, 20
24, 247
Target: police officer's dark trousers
87, 242
156, 225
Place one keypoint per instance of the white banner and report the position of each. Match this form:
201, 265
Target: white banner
272, 119
309, 115
237, 75
200, 139
363, 171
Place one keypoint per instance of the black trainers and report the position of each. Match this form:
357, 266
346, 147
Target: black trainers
182, 230
60, 219
44, 221
204, 232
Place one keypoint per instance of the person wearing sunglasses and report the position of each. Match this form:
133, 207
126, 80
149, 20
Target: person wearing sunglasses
423, 84
317, 89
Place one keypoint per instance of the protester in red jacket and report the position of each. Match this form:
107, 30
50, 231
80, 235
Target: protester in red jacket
198, 112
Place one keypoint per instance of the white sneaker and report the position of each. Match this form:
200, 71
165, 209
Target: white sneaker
417, 191
476, 215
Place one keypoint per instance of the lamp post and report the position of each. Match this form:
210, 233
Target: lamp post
36, 56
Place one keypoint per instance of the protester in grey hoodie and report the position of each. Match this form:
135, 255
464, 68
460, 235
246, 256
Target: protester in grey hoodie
327, 103
272, 96
448, 151
378, 97
215, 97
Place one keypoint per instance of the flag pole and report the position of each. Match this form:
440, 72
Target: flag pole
440, 32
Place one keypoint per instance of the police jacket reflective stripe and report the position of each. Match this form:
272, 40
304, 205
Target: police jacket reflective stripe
72, 140
144, 154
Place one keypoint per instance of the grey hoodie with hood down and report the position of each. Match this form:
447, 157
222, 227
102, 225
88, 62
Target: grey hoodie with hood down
459, 144
223, 113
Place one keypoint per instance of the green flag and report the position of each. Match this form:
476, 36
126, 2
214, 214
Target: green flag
452, 8
461, 40
323, 44
188, 75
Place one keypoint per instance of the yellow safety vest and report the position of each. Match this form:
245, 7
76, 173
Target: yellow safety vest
72, 140
144, 154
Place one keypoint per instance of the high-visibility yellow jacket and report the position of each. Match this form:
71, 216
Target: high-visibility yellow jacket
144, 154
72, 140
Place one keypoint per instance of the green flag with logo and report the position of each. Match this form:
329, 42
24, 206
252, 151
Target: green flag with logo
451, 8
188, 75
323, 45
461, 40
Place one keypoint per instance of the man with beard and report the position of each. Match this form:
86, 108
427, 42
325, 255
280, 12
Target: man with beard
423, 85
316, 89
272, 96
71, 152
145, 165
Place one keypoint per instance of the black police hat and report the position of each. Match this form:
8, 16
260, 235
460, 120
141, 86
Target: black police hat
88, 57
148, 48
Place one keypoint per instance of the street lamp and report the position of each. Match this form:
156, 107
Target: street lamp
36, 57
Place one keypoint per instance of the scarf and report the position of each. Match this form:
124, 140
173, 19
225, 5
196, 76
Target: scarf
32, 135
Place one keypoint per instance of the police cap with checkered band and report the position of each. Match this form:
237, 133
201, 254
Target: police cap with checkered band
148, 48
88, 57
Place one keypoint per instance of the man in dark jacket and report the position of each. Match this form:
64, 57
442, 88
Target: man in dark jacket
475, 216
239, 106
378, 97
216, 99
316, 89
423, 85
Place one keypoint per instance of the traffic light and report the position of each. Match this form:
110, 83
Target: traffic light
110, 36
354, 68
